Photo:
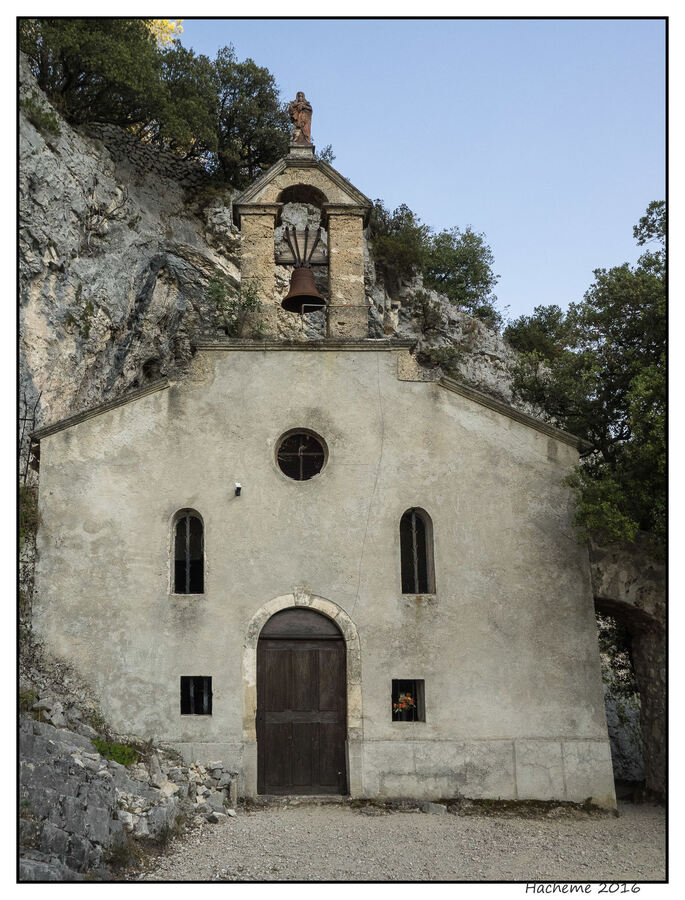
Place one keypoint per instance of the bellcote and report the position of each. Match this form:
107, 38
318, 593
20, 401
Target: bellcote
343, 213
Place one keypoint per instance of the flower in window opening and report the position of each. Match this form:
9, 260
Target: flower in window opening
404, 702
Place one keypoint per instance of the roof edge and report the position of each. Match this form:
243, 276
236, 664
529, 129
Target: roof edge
289, 162
382, 344
39, 433
458, 387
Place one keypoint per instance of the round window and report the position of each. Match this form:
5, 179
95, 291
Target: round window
301, 454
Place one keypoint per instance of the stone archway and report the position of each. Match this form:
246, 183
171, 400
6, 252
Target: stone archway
302, 598
629, 584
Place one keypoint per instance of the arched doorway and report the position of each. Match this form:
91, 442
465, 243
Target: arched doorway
301, 705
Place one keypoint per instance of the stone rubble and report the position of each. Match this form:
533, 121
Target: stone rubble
77, 808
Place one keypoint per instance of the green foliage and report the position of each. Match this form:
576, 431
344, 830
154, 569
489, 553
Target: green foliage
96, 720
445, 357
455, 263
29, 517
599, 370
184, 119
238, 312
96, 69
224, 112
253, 126
427, 311
459, 264
26, 700
123, 853
651, 226
326, 155
614, 651
45, 120
121, 753
82, 317
618, 675
399, 241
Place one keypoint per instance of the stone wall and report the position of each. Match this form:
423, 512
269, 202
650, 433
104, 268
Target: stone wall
348, 315
150, 161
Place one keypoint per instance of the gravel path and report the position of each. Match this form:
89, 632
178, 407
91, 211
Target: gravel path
340, 843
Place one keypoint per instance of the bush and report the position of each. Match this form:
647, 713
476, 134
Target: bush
121, 753
447, 358
123, 853
26, 700
238, 311
459, 264
225, 112
45, 120
456, 263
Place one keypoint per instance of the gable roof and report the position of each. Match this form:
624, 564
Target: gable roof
346, 192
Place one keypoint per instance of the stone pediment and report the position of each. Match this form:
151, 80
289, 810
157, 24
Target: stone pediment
302, 178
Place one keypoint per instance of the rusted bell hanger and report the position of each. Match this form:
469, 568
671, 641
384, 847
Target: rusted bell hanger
303, 292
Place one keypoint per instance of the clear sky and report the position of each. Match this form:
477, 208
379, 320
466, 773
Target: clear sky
546, 135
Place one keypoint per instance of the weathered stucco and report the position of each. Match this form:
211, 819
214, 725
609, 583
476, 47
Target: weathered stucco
507, 644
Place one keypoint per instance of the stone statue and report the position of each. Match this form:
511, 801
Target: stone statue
301, 116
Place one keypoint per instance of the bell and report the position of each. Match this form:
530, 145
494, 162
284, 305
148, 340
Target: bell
303, 292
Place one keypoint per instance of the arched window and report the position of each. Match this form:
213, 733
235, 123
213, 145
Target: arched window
416, 549
189, 563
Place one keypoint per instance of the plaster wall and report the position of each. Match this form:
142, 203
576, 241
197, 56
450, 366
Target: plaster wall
507, 644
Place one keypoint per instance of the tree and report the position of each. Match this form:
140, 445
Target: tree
599, 370
164, 31
131, 72
459, 264
253, 126
326, 155
455, 263
95, 70
399, 241
186, 118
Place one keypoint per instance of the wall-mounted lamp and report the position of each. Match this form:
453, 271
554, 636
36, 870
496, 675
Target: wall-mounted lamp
238, 488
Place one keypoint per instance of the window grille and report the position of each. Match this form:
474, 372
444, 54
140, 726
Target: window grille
301, 455
189, 555
196, 695
416, 551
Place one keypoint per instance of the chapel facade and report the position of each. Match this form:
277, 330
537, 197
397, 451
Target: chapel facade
316, 562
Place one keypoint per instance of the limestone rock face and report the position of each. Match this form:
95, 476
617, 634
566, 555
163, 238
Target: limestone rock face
480, 356
115, 260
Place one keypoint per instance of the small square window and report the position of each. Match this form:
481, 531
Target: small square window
408, 700
196, 695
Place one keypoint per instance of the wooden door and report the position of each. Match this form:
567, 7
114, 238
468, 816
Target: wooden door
301, 706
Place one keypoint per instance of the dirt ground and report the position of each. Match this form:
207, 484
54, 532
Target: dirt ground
338, 842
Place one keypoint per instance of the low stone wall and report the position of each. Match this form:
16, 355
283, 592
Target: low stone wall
126, 147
